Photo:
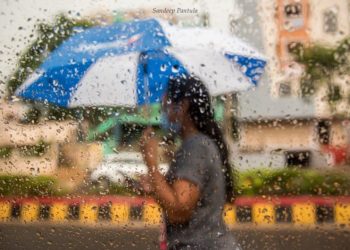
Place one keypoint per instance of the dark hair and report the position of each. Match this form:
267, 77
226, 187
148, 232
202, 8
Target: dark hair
191, 87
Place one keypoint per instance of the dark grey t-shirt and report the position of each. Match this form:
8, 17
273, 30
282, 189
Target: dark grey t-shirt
198, 161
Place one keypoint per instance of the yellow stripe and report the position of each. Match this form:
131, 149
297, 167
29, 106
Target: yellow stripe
88, 212
342, 213
304, 214
58, 212
5, 210
120, 213
229, 214
152, 214
263, 214
29, 211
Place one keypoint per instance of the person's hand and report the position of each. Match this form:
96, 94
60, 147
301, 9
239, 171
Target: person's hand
149, 148
145, 183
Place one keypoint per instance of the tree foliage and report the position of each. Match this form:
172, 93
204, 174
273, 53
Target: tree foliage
50, 36
321, 63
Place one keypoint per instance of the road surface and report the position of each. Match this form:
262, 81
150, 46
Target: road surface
77, 236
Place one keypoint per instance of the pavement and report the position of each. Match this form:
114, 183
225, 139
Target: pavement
14, 235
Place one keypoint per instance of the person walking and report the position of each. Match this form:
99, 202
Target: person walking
199, 181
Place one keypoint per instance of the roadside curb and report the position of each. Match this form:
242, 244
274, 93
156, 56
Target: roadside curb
299, 211
119, 210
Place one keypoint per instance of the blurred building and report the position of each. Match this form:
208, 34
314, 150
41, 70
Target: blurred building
61, 136
37, 149
277, 126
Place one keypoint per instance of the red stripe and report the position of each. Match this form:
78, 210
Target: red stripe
287, 201
138, 201
134, 201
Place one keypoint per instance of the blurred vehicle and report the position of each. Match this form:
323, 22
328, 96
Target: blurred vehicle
117, 168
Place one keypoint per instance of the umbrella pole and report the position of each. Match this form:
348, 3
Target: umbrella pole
230, 112
146, 89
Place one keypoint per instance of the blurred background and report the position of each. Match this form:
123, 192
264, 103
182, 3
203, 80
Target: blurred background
289, 137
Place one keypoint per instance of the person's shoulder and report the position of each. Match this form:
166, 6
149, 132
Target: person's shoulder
199, 140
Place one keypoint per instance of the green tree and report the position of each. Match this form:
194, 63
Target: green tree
50, 36
321, 64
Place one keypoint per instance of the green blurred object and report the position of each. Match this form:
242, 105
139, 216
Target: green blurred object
291, 182
267, 182
281, 182
50, 36
219, 111
145, 116
18, 185
34, 150
5, 152
119, 17
138, 118
113, 189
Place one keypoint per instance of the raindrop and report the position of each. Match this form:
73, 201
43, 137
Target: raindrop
175, 69
163, 68
244, 69
55, 83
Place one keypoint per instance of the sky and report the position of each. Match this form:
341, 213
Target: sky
18, 19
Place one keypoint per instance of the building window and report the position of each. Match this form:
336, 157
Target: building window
293, 10
330, 20
334, 93
294, 18
323, 131
295, 47
234, 24
299, 159
284, 89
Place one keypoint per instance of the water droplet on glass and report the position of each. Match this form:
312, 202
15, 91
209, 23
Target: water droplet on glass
163, 68
175, 69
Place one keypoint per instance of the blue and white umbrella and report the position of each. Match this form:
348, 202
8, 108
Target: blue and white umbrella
130, 63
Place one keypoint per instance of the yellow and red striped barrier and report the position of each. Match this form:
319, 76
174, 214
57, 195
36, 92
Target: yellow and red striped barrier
123, 210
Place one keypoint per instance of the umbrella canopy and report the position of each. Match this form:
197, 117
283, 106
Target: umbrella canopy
130, 63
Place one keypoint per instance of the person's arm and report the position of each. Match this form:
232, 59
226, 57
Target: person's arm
179, 199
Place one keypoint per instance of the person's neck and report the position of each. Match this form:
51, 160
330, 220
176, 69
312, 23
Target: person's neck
188, 130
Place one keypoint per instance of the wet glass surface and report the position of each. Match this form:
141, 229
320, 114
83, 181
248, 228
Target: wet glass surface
169, 124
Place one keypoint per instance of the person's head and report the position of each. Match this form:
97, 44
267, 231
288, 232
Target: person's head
187, 104
180, 103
